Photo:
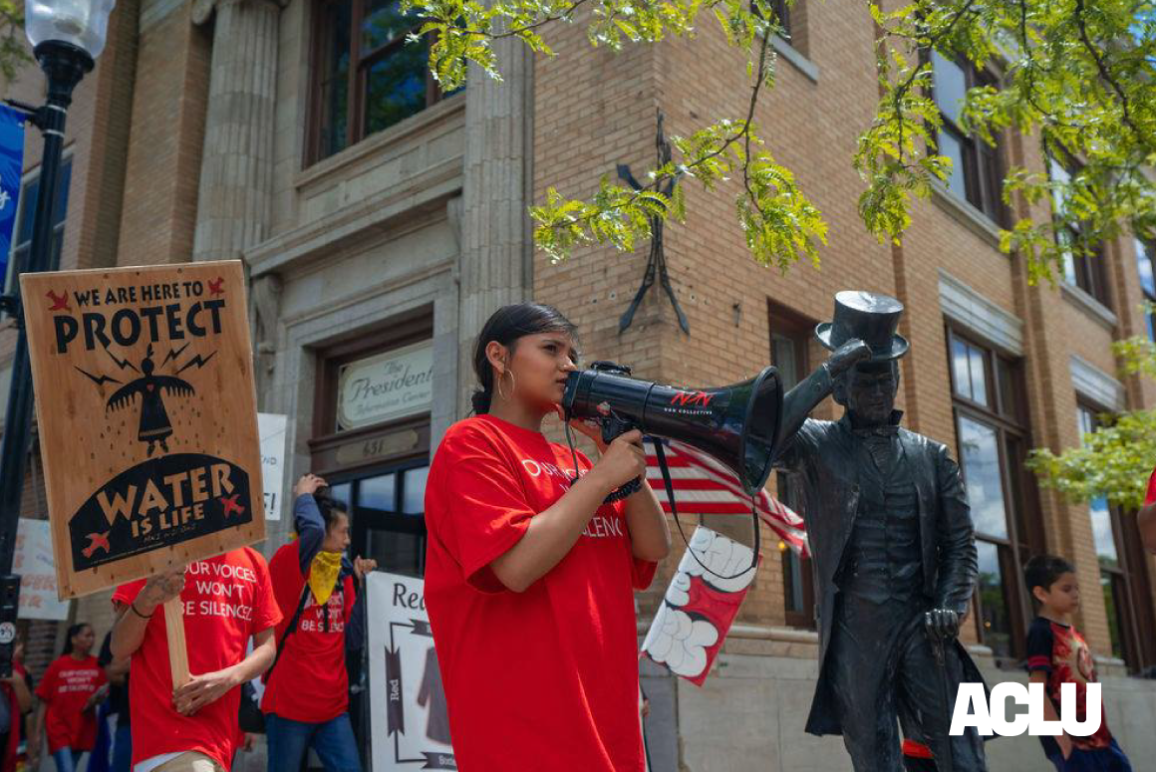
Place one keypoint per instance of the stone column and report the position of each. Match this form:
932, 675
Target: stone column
495, 262
234, 204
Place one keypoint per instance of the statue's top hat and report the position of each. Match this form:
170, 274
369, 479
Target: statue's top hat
870, 317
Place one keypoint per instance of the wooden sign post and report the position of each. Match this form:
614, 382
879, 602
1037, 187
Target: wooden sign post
175, 634
147, 418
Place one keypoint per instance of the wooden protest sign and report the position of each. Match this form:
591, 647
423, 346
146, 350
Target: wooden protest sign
147, 418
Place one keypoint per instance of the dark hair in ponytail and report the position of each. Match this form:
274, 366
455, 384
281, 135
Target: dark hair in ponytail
506, 325
73, 631
328, 506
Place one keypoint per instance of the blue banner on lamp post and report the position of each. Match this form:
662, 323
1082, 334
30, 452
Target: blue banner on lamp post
11, 170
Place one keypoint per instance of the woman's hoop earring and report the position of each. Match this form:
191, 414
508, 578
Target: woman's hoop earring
513, 384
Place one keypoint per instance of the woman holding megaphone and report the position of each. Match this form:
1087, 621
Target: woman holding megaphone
530, 574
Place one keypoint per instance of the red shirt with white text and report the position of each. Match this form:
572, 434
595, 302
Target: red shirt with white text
65, 689
226, 600
310, 683
546, 679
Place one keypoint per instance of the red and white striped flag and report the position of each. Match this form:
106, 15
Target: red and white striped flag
703, 486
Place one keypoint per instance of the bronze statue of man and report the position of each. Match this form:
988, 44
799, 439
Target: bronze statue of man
893, 548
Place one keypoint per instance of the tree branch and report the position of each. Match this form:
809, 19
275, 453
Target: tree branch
901, 90
528, 27
750, 117
1106, 75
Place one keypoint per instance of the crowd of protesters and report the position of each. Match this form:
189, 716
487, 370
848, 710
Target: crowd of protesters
291, 621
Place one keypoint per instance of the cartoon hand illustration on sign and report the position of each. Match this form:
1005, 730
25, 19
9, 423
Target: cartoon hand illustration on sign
699, 606
678, 593
681, 643
723, 556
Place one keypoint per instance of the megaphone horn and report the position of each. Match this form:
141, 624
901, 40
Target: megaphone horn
737, 425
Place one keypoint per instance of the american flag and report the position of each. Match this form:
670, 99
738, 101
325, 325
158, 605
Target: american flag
703, 486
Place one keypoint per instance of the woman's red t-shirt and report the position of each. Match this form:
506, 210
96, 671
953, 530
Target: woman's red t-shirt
227, 599
310, 683
65, 688
546, 678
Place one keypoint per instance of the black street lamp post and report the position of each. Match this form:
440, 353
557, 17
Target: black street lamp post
67, 36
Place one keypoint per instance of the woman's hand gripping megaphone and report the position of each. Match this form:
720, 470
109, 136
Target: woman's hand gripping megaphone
623, 458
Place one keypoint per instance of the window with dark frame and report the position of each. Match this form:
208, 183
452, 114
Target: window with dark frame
990, 426
783, 12
367, 74
976, 173
1119, 574
25, 216
1084, 271
387, 506
789, 340
793, 19
1145, 253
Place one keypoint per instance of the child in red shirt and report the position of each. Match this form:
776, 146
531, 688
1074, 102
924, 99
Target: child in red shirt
69, 693
307, 690
227, 599
529, 574
1058, 654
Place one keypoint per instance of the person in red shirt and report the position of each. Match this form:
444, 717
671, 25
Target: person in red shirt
226, 600
69, 693
307, 689
16, 703
1146, 517
529, 574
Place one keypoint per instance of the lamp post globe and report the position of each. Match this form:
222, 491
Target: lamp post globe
82, 24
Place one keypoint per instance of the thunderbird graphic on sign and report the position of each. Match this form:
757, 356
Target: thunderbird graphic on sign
155, 426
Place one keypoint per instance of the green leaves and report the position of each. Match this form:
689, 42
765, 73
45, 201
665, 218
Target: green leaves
780, 224
1114, 462
1074, 80
896, 155
13, 46
616, 215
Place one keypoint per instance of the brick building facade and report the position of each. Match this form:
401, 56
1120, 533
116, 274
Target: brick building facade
377, 215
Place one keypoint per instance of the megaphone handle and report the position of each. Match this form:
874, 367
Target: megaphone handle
614, 427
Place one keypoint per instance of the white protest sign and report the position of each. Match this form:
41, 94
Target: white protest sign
272, 428
33, 561
409, 720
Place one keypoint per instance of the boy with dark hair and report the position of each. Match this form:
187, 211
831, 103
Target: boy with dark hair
1058, 654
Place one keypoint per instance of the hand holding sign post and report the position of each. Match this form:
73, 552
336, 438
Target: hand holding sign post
148, 421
